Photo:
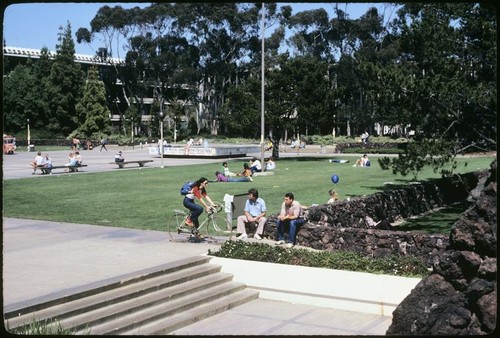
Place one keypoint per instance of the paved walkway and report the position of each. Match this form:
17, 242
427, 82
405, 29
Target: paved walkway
43, 260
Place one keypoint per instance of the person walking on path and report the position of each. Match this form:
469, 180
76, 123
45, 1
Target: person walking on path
254, 212
104, 141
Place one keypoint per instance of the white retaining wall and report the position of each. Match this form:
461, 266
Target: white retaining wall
344, 290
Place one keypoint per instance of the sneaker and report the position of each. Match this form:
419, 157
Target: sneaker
257, 236
242, 236
189, 222
281, 242
289, 245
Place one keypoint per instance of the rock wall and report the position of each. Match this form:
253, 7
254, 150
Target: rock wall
397, 203
350, 225
460, 296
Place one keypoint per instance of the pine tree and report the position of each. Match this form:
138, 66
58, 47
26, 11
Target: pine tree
92, 112
66, 78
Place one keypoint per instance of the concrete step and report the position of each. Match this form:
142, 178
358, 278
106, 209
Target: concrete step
182, 319
152, 301
16, 310
162, 311
110, 312
73, 309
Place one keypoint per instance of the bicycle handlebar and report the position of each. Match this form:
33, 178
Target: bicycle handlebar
215, 208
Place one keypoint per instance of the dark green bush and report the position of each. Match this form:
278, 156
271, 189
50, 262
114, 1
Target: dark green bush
339, 260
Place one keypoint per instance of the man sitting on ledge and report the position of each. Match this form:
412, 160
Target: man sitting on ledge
119, 157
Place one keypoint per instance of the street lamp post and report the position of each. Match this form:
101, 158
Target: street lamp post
262, 66
160, 115
175, 131
29, 136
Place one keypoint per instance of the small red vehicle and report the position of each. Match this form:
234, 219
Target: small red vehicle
9, 144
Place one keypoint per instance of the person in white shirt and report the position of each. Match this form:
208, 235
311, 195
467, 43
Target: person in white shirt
47, 164
188, 146
119, 157
226, 170
270, 164
255, 165
37, 162
364, 137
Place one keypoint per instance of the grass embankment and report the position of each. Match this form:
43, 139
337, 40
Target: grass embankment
144, 199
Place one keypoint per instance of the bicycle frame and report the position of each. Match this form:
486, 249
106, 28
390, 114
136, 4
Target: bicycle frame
214, 228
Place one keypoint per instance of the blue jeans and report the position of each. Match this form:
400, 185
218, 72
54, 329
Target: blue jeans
294, 224
238, 179
255, 170
196, 210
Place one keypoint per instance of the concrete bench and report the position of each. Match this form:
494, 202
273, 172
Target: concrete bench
124, 163
45, 170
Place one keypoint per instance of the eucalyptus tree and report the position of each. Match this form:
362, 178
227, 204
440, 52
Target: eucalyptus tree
335, 41
242, 108
66, 79
223, 33
370, 34
113, 27
162, 62
310, 31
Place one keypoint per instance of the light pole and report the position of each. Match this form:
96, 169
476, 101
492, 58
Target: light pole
29, 136
160, 115
175, 131
262, 88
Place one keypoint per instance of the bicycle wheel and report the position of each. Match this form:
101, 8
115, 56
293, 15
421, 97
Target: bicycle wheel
219, 230
176, 227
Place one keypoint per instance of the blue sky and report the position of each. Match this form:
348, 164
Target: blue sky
35, 25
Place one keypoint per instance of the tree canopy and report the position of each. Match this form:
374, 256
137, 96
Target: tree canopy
427, 73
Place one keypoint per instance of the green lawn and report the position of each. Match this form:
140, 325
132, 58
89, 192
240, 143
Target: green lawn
144, 198
438, 221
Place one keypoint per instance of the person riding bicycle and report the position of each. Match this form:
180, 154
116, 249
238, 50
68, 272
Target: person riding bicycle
198, 191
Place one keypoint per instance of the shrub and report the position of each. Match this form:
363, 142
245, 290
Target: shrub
339, 260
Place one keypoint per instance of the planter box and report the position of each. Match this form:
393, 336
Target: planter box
338, 289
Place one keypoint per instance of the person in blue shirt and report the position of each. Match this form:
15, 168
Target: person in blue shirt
255, 212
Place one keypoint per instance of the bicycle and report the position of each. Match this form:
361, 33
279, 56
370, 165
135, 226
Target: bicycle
219, 231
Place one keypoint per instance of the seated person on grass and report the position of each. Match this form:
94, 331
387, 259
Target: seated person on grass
362, 162
221, 178
270, 164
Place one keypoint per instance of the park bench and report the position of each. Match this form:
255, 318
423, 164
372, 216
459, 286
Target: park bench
122, 164
73, 168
